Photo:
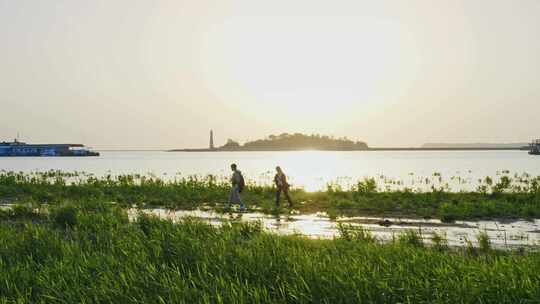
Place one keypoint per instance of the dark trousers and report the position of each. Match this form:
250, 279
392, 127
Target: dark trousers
286, 193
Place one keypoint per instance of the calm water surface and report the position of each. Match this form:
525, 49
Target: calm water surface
309, 169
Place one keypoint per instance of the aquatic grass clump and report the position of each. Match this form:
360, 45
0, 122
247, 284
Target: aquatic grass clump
366, 186
440, 241
349, 232
484, 244
448, 213
411, 237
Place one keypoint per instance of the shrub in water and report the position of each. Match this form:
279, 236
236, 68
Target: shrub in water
367, 186
484, 244
351, 233
439, 240
411, 237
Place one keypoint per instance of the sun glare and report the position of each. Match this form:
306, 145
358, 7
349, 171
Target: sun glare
304, 67
308, 169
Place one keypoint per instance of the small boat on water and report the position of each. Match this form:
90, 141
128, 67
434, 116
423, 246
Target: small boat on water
18, 148
535, 147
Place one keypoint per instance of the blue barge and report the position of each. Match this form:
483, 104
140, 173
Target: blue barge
535, 147
17, 148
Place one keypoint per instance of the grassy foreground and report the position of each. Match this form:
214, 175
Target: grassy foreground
509, 197
91, 253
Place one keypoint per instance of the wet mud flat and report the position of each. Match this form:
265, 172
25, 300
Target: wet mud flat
502, 234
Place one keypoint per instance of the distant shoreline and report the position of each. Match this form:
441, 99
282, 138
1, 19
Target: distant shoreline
132, 150
367, 150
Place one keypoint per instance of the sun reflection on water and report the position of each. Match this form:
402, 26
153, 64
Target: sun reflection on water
310, 169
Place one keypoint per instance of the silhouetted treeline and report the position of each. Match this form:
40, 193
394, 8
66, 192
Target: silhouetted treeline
298, 141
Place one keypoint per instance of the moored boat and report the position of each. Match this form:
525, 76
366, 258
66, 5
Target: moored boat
535, 147
17, 148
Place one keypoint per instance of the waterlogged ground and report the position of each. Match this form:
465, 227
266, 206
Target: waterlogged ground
90, 252
502, 235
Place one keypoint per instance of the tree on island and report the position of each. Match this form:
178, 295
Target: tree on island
298, 141
231, 144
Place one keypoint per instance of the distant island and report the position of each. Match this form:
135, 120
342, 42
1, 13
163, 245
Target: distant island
299, 141
287, 142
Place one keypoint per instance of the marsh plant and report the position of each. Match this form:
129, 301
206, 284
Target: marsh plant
349, 232
439, 240
411, 237
484, 244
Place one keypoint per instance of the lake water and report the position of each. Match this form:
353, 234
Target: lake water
309, 169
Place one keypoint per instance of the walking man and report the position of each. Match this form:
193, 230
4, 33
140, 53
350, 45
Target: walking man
237, 186
282, 186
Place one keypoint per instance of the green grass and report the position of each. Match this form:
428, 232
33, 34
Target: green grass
102, 257
509, 197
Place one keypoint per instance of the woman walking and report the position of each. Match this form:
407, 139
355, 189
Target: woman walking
282, 186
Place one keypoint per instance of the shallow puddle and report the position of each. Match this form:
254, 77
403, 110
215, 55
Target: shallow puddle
502, 235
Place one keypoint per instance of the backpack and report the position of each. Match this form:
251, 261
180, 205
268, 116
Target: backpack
241, 182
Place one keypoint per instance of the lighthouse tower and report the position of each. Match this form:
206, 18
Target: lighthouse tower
211, 140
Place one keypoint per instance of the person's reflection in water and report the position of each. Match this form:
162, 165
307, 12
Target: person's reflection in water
278, 220
234, 216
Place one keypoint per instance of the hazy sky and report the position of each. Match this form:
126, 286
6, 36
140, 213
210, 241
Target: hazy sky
160, 74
